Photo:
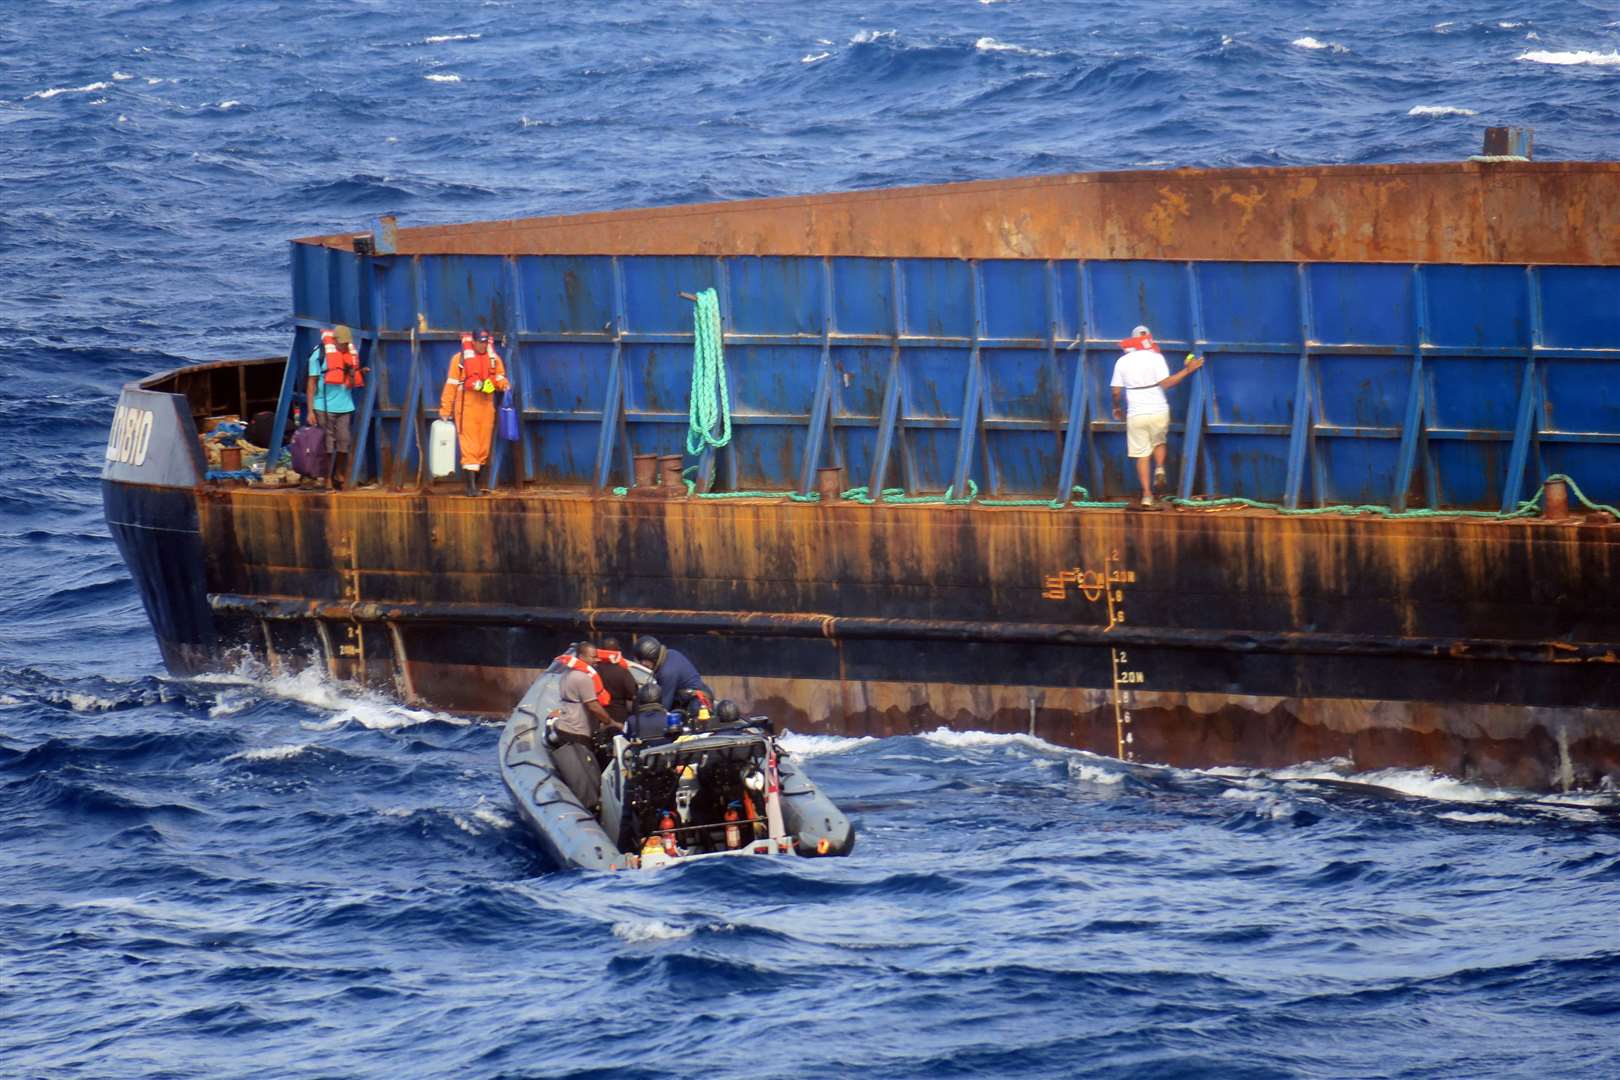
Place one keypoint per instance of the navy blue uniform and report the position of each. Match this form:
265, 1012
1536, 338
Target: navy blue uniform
677, 674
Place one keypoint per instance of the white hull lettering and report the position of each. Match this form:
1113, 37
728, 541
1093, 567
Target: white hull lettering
131, 435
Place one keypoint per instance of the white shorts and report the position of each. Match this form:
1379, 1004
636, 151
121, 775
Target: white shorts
1143, 433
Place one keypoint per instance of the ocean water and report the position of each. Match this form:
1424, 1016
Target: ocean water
255, 876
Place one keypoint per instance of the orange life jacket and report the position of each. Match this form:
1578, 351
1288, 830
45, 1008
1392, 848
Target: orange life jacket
574, 663
612, 656
342, 365
476, 368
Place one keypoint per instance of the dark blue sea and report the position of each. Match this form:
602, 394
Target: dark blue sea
247, 876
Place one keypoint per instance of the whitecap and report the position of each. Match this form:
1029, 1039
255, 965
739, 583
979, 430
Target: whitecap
153, 82
1569, 59
1442, 27
815, 58
809, 746
80, 702
1440, 110
970, 739
1428, 784
122, 119
270, 753
98, 101
1509, 25
438, 39
991, 45
7, 699
229, 104
46, 95
1309, 42
649, 930
1227, 39
120, 76
1266, 804
1481, 818
226, 704
868, 37
442, 78
466, 826
1092, 774
492, 817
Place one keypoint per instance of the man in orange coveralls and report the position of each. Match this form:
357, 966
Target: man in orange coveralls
476, 372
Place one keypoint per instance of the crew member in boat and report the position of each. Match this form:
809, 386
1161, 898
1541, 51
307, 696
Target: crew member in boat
617, 681
677, 676
335, 371
648, 719
581, 713
468, 400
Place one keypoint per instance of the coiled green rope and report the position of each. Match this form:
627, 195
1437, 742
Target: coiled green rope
711, 401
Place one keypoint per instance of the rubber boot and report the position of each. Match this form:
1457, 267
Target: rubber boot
471, 478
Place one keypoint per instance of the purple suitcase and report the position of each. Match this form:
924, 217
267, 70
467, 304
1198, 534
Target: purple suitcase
309, 456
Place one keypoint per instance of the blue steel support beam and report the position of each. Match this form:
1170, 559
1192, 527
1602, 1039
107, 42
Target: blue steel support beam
1198, 405
973, 395
1079, 419
1299, 435
289, 383
425, 398
409, 408
822, 404
1525, 425
889, 420
613, 402
369, 287
1412, 421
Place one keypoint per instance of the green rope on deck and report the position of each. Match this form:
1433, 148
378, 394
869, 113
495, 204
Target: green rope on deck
1080, 499
1526, 507
711, 401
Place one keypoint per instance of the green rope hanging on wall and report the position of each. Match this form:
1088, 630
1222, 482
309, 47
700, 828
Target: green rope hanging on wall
711, 402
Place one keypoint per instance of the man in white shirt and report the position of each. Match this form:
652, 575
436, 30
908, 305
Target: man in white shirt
1143, 377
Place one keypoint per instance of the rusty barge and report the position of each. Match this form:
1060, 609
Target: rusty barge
1431, 341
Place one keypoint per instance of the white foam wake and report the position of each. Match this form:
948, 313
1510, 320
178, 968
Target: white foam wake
1440, 110
991, 45
46, 95
809, 746
642, 930
1570, 59
270, 753
345, 702
1308, 42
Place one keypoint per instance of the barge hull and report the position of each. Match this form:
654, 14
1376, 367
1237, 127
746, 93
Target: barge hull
1184, 638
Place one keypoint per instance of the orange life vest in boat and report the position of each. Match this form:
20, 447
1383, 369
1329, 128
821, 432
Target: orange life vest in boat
612, 656
342, 365
574, 663
475, 368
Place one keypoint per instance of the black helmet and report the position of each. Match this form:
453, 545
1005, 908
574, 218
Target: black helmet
648, 651
727, 712
649, 694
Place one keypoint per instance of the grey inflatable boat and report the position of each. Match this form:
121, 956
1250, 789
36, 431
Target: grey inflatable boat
700, 792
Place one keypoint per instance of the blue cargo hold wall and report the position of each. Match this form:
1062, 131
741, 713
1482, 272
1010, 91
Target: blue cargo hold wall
1446, 386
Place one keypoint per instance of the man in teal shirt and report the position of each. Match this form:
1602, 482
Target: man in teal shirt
334, 368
